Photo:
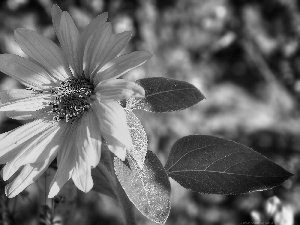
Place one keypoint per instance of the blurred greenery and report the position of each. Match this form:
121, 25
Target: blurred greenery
243, 55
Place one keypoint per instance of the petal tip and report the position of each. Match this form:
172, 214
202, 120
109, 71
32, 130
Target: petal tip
10, 192
148, 55
7, 192
55, 9
128, 33
84, 188
139, 91
53, 191
65, 14
18, 32
105, 15
22, 30
118, 151
122, 157
5, 173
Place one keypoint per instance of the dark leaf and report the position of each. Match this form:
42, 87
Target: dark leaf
148, 188
103, 175
165, 95
126, 205
106, 182
213, 165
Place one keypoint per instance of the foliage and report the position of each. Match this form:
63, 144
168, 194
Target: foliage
242, 54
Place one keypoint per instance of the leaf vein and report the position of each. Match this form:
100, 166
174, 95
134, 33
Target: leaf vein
192, 150
220, 159
221, 172
174, 90
242, 162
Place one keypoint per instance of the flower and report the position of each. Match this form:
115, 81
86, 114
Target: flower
72, 95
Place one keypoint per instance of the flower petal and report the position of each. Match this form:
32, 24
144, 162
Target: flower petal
44, 51
113, 125
29, 174
28, 104
119, 151
65, 161
93, 26
113, 48
88, 151
85, 36
28, 73
96, 44
38, 150
10, 141
10, 155
121, 65
68, 36
82, 174
114, 90
56, 16
22, 115
15, 94
88, 141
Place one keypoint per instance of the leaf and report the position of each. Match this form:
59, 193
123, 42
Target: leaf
165, 95
139, 138
148, 188
103, 175
126, 205
214, 165
106, 182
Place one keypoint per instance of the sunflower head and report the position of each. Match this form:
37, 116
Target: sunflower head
73, 93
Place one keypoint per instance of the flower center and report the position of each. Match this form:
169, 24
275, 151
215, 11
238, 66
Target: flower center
71, 99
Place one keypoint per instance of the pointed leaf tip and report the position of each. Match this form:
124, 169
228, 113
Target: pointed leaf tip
165, 95
212, 165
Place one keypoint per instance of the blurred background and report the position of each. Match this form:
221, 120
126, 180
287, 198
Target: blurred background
244, 55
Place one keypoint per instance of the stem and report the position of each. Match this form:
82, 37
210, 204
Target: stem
45, 186
14, 206
52, 210
47, 214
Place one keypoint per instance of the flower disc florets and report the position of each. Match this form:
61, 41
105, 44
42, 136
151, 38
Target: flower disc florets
71, 99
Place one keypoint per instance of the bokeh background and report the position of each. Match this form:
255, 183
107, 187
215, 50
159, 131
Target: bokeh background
244, 55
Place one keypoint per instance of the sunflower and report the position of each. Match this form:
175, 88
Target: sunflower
72, 98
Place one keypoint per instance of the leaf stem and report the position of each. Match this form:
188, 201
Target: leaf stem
14, 206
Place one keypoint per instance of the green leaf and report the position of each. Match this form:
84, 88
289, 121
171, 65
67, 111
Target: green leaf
106, 182
139, 138
165, 95
148, 188
213, 165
